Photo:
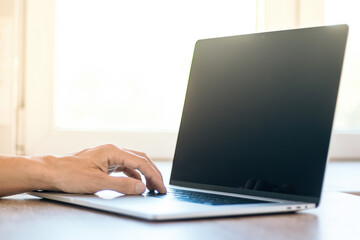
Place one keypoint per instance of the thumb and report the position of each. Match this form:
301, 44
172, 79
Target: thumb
125, 185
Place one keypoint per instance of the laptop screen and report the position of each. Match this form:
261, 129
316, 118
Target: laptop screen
259, 111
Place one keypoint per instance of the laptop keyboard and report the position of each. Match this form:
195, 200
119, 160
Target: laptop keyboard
203, 198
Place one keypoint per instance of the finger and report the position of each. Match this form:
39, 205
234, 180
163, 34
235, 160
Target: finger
132, 173
116, 156
127, 171
147, 158
149, 184
153, 179
124, 185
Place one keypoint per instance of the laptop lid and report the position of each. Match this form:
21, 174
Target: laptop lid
259, 112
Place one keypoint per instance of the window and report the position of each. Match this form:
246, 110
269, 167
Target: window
346, 139
348, 111
116, 71
124, 65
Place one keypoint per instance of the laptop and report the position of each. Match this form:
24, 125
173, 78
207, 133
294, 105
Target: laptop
255, 130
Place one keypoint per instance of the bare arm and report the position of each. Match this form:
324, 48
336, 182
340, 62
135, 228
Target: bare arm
82, 172
21, 174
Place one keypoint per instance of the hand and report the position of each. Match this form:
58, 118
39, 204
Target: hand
87, 171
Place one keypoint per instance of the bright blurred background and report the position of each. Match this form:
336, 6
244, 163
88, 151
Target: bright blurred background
77, 73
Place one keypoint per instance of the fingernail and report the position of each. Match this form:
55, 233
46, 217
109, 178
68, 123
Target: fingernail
140, 188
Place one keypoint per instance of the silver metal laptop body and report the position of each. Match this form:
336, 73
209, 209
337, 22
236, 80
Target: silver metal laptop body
255, 130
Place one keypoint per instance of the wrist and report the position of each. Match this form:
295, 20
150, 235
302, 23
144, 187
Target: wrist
41, 174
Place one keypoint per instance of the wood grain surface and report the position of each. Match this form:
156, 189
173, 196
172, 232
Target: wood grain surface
26, 217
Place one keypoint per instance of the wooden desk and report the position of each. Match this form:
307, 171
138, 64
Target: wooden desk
26, 217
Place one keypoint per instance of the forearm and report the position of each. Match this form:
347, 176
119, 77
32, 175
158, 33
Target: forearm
22, 174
